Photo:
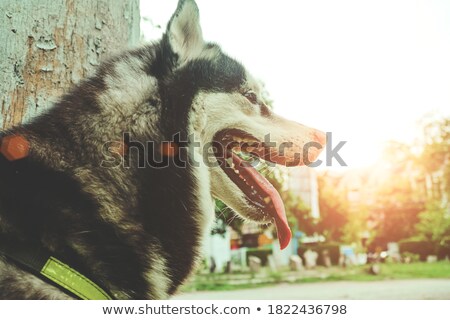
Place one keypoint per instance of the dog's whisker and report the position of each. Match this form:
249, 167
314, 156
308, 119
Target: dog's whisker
83, 232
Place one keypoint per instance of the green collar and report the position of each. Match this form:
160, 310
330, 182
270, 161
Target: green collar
41, 263
72, 280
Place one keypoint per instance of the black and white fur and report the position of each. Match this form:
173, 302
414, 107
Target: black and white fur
135, 231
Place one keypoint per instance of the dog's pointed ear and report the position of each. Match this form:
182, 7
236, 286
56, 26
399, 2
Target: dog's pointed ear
184, 33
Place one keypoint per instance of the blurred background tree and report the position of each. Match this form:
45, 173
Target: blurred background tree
434, 224
333, 207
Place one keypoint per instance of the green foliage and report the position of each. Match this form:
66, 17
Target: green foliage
277, 277
299, 214
398, 200
333, 206
422, 248
413, 257
435, 156
396, 218
434, 224
262, 254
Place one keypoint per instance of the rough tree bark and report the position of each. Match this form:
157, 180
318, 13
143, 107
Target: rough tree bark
49, 45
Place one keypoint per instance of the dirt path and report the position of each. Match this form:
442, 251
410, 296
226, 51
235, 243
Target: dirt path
387, 289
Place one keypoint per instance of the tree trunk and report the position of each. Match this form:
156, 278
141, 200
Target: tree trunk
49, 45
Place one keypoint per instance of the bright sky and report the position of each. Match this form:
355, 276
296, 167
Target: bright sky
364, 70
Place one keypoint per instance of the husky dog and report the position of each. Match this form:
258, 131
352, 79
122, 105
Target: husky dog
136, 228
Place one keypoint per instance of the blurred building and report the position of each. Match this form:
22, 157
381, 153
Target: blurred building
303, 182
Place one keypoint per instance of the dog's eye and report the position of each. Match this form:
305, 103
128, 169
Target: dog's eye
251, 96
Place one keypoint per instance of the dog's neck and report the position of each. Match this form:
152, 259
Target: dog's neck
126, 227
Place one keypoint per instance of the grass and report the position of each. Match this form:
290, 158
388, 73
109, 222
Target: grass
416, 270
221, 282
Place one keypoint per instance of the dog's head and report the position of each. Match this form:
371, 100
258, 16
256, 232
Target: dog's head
229, 114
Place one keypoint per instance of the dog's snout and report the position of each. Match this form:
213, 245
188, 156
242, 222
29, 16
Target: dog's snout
320, 137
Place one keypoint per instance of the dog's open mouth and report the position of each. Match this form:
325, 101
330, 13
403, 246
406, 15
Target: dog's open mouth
259, 192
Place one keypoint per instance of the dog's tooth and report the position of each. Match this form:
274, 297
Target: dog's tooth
267, 200
236, 171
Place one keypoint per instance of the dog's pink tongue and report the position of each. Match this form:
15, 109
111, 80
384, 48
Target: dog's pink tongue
279, 215
283, 230
277, 212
